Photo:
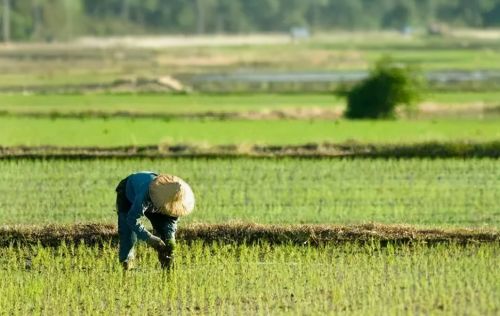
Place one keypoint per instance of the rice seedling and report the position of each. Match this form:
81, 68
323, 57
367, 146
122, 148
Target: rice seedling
430, 192
257, 279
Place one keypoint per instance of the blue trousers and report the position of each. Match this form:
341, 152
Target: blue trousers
163, 225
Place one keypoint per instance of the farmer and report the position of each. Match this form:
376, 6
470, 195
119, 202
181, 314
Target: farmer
162, 199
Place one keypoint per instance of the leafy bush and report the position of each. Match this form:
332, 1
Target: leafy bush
390, 84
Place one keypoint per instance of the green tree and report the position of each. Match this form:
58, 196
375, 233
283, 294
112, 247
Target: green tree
400, 15
345, 14
6, 20
65, 19
263, 14
19, 20
293, 13
491, 18
230, 17
465, 12
389, 85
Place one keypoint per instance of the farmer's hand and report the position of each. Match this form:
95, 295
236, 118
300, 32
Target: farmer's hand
157, 244
170, 243
166, 261
167, 258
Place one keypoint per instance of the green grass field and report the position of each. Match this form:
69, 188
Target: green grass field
161, 103
200, 103
118, 132
421, 191
262, 279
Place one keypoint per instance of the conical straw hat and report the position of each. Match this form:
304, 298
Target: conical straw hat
171, 195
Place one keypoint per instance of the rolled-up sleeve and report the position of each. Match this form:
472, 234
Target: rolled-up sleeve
134, 219
170, 228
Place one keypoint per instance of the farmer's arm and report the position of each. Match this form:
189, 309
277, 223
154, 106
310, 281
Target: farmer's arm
134, 220
170, 234
169, 227
165, 226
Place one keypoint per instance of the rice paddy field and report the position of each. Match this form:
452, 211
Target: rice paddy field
429, 192
327, 233
259, 279
81, 64
171, 104
126, 131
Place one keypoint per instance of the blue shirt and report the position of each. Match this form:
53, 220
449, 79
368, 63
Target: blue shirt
137, 192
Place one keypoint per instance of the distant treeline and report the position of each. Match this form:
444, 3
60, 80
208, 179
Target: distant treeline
65, 19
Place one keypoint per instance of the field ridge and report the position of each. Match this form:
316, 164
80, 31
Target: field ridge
251, 115
250, 233
312, 150
425, 110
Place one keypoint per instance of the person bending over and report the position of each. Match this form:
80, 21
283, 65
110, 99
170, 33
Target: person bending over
162, 198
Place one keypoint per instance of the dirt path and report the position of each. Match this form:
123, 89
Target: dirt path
184, 41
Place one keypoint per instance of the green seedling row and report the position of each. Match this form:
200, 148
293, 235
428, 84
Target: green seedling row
260, 279
429, 192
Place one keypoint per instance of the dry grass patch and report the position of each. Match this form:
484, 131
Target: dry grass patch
249, 233
310, 150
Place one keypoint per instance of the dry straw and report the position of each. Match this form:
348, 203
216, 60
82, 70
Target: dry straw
237, 233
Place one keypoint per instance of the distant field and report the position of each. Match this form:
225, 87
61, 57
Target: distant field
426, 192
201, 103
162, 103
58, 65
117, 132
464, 98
